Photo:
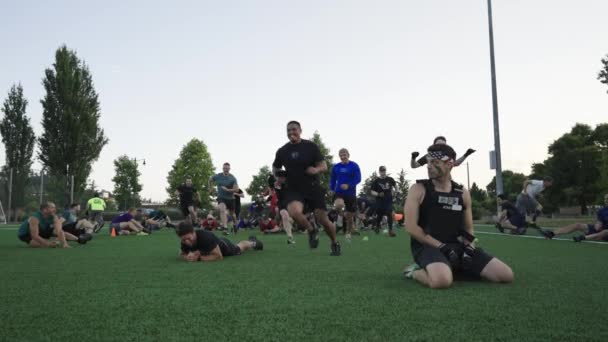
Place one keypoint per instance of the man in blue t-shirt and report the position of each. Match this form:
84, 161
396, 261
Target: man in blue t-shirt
596, 232
343, 183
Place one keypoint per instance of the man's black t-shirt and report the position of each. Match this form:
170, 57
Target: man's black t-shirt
385, 186
186, 194
510, 208
205, 243
296, 158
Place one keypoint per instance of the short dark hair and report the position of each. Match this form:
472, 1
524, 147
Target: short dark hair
441, 137
46, 205
548, 179
227, 163
184, 228
74, 205
281, 173
445, 149
503, 197
96, 194
294, 122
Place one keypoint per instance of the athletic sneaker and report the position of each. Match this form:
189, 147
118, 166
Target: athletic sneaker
348, 237
578, 238
97, 227
257, 244
500, 228
142, 233
547, 233
335, 249
84, 238
291, 241
408, 272
391, 233
313, 238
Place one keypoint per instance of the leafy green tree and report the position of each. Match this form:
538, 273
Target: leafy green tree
259, 183
603, 74
19, 140
72, 138
367, 185
195, 162
403, 187
575, 162
126, 182
329, 159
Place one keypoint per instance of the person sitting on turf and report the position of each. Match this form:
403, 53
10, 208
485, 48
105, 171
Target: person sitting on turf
268, 225
202, 245
38, 229
72, 224
594, 232
156, 219
209, 223
126, 224
510, 218
437, 214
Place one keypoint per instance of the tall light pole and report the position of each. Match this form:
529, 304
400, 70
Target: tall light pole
499, 188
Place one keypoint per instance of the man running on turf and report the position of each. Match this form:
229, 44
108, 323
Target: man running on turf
37, 230
437, 213
526, 202
226, 188
278, 185
202, 245
343, 181
439, 140
382, 189
303, 163
593, 232
188, 196
510, 218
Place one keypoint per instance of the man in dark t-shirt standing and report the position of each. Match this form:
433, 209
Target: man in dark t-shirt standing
303, 163
188, 197
203, 245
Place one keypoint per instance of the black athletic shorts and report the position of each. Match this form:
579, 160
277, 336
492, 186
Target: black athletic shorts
229, 203
427, 255
313, 198
184, 208
228, 248
350, 202
71, 228
27, 237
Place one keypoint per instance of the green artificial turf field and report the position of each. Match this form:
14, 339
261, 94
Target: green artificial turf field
136, 289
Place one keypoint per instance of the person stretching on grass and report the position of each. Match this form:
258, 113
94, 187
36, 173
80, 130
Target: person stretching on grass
438, 213
510, 218
594, 232
202, 245
37, 229
126, 224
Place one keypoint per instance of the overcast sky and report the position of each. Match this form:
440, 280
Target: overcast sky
382, 78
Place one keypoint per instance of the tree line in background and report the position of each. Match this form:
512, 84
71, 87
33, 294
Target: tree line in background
72, 140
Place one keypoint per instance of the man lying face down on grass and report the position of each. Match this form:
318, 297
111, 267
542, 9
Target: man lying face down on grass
202, 245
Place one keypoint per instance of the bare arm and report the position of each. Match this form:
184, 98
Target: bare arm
216, 254
410, 210
460, 160
468, 215
35, 233
137, 224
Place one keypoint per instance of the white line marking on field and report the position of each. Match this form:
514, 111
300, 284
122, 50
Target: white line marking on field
538, 237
